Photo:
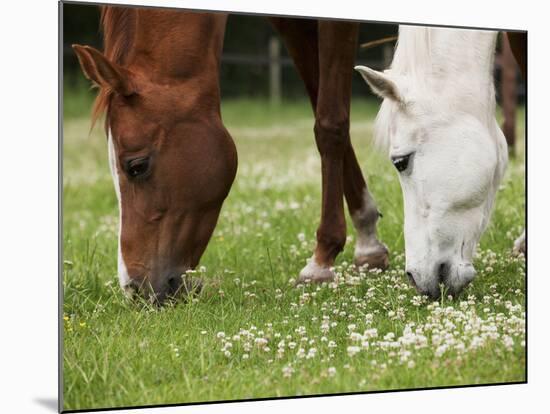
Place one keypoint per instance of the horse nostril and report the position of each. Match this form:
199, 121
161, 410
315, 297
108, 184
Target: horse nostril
174, 283
443, 272
411, 278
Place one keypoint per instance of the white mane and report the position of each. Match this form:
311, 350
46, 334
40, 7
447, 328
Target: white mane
451, 68
413, 52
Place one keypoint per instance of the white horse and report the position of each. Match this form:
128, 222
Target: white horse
438, 120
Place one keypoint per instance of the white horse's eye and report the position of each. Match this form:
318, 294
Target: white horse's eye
401, 162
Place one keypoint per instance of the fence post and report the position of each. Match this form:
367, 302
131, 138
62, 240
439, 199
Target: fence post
274, 70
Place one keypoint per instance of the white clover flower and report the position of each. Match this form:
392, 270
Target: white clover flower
260, 342
331, 371
287, 371
508, 341
370, 333
389, 336
440, 350
355, 336
311, 353
220, 335
352, 350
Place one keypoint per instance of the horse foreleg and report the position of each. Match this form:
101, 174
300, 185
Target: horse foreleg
519, 244
301, 38
364, 214
336, 48
518, 44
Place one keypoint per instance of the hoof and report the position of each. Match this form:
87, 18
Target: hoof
519, 245
376, 258
316, 273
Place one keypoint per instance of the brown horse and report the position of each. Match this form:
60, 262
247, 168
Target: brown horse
173, 161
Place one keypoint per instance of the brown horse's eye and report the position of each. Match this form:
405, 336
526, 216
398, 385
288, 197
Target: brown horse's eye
137, 167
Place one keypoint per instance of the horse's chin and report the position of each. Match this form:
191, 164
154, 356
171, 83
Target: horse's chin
187, 287
461, 276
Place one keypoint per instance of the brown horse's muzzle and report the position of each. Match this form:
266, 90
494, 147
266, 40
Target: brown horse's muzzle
176, 288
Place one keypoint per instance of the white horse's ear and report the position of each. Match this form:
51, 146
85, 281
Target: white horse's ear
380, 83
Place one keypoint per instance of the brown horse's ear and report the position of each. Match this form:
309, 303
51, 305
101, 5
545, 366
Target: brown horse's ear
103, 72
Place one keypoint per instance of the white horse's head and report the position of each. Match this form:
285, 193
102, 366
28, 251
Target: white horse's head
450, 161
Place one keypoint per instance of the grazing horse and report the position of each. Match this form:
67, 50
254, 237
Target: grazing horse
438, 120
172, 160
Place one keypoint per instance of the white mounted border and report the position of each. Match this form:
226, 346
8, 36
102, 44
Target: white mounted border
29, 204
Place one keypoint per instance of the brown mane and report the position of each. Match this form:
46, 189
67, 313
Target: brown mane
118, 27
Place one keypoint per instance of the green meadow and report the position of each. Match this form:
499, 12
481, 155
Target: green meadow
251, 333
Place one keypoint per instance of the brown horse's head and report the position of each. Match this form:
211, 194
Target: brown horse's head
173, 164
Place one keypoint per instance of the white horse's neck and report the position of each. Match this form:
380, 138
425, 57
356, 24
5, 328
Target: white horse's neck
455, 64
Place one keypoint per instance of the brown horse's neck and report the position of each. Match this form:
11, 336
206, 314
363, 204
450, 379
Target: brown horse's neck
174, 48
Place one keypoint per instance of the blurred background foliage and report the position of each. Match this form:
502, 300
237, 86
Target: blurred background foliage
247, 66
244, 70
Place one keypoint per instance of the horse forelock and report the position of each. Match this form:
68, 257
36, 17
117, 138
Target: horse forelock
382, 125
411, 60
118, 26
413, 52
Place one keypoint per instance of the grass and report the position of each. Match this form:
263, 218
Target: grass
250, 333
